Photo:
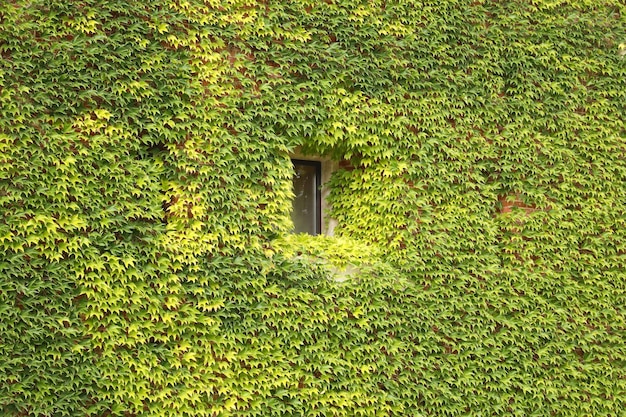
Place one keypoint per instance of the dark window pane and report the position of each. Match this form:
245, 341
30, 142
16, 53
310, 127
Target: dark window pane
306, 214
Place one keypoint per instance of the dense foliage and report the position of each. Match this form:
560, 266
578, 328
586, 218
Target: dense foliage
145, 262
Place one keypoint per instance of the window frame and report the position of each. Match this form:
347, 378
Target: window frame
329, 166
318, 189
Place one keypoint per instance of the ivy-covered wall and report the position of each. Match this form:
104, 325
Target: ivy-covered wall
146, 266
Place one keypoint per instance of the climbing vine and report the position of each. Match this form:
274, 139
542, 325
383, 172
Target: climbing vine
146, 265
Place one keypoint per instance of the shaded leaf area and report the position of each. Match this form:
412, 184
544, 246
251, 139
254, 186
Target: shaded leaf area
145, 195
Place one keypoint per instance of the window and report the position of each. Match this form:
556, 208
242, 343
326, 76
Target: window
310, 210
306, 213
